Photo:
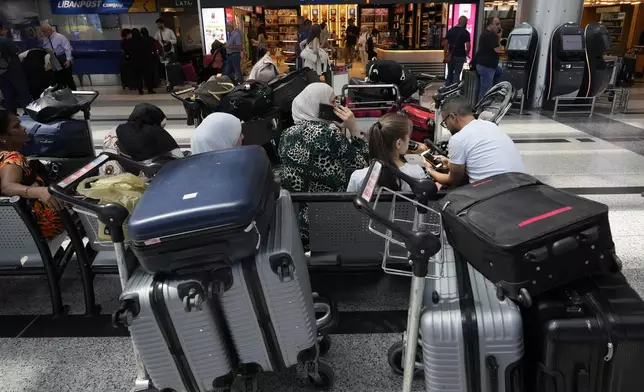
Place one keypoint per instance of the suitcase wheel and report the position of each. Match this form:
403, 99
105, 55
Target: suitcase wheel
524, 298
395, 356
324, 344
323, 377
193, 300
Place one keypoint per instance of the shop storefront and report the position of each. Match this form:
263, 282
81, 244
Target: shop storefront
410, 32
182, 17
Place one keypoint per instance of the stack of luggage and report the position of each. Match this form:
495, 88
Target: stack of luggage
530, 297
223, 288
383, 72
265, 108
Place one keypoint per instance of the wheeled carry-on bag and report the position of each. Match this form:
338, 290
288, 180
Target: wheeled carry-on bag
175, 326
184, 224
471, 340
587, 336
288, 86
528, 237
274, 289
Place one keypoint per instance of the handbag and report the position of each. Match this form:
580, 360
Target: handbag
447, 54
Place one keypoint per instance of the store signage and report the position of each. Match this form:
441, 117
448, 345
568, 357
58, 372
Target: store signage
214, 26
184, 3
71, 7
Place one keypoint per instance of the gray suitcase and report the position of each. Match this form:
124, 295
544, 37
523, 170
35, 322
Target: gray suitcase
471, 340
177, 333
268, 303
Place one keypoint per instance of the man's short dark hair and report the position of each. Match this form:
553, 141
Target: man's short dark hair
160, 21
489, 21
458, 105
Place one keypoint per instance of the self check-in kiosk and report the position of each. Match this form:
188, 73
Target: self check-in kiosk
566, 63
598, 68
523, 44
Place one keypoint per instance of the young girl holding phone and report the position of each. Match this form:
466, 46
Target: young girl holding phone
389, 141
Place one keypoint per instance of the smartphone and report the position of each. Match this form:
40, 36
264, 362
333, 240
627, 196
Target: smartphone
436, 163
326, 113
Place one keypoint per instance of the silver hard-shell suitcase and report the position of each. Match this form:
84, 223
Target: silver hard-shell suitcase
269, 305
175, 329
466, 333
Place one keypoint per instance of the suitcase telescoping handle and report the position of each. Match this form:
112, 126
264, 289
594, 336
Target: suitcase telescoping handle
112, 215
87, 104
421, 244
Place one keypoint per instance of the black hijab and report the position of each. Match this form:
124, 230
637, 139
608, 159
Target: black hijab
142, 137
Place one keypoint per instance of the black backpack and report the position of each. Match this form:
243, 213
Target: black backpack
248, 100
390, 72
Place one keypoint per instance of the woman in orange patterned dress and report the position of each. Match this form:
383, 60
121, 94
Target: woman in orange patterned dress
18, 179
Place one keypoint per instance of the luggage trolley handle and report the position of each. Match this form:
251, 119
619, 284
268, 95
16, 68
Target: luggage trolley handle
178, 94
87, 104
347, 87
113, 215
421, 245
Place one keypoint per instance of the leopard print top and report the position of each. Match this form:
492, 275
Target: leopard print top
318, 157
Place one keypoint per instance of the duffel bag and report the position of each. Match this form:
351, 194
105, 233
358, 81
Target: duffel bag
288, 86
181, 225
527, 237
248, 100
57, 139
368, 94
210, 93
53, 105
385, 72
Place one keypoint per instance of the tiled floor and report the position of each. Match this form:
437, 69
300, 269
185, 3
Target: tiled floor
601, 158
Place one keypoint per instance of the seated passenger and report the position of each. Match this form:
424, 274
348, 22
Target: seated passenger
389, 141
218, 131
142, 138
477, 149
319, 155
18, 178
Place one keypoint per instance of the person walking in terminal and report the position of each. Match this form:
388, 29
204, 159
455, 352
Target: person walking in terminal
233, 54
487, 56
351, 38
13, 82
477, 149
458, 47
166, 37
63, 52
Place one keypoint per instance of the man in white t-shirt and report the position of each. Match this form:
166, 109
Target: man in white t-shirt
477, 148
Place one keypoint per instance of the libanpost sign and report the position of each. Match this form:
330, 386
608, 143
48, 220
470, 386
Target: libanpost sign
71, 7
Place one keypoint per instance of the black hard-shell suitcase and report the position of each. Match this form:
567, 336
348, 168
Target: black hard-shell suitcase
527, 237
368, 94
288, 86
263, 129
204, 209
248, 100
174, 74
586, 337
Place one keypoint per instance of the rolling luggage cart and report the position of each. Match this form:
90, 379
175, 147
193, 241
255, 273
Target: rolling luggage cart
419, 244
113, 216
193, 109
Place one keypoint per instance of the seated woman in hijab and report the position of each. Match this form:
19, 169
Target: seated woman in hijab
216, 132
142, 138
319, 155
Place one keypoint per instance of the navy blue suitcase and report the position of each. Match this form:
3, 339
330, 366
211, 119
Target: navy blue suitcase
203, 210
67, 138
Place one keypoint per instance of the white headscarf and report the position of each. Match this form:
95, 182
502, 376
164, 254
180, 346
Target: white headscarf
218, 131
306, 106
